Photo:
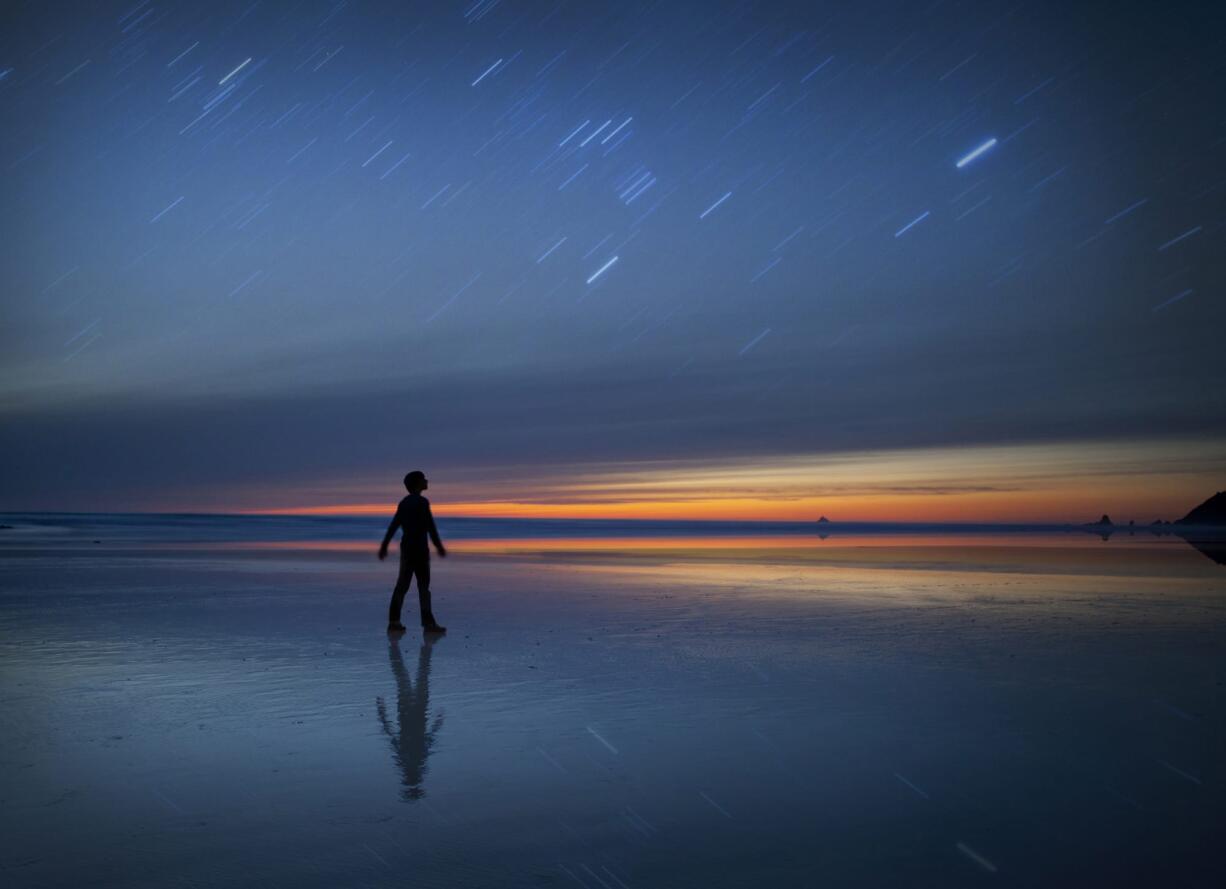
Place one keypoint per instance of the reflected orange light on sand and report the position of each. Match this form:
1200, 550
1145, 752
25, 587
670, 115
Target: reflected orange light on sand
741, 544
1032, 483
725, 559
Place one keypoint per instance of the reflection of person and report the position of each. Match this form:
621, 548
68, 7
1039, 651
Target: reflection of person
411, 744
413, 516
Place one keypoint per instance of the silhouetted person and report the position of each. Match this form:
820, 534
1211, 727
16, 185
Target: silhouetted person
414, 518
412, 742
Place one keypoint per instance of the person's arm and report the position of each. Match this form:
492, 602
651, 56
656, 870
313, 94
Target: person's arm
438, 543
387, 538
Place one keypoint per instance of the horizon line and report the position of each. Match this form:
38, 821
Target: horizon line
300, 514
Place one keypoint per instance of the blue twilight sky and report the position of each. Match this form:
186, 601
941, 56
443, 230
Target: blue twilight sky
270, 247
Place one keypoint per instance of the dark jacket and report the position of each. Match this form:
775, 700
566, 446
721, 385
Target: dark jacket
414, 518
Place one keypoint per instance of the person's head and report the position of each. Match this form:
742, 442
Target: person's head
416, 481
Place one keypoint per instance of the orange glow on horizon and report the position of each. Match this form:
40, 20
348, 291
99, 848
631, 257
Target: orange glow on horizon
861, 509
1139, 481
708, 543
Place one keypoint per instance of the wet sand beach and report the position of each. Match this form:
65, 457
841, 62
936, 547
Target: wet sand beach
955, 712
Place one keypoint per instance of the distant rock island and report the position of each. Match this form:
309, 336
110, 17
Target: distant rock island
823, 520
1205, 528
1211, 512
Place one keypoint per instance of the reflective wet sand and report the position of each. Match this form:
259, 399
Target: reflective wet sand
903, 712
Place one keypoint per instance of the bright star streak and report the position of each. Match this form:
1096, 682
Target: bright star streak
545, 255
572, 135
753, 342
703, 214
986, 146
595, 133
600, 271
377, 153
167, 210
487, 71
916, 221
1173, 241
616, 131
232, 73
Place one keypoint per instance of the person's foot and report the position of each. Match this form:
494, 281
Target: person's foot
396, 627
434, 628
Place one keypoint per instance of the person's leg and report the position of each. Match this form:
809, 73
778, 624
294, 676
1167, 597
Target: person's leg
398, 592
423, 592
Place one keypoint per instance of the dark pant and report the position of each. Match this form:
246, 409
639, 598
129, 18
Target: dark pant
411, 564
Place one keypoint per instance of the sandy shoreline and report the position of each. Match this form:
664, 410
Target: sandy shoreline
222, 718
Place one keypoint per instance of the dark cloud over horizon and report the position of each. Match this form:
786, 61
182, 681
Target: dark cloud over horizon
256, 244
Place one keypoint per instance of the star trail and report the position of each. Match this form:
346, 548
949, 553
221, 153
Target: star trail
269, 244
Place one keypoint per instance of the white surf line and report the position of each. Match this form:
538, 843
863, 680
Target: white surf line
596, 735
975, 857
717, 806
232, 73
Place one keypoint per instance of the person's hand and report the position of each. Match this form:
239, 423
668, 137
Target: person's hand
442, 551
382, 553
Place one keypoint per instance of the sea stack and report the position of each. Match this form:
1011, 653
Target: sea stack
1211, 512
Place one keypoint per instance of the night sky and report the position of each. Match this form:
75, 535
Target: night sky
761, 259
